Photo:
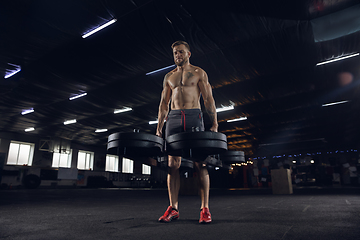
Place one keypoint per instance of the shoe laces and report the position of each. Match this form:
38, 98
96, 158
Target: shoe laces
205, 213
168, 211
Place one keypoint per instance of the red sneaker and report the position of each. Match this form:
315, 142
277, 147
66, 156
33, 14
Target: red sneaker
169, 215
205, 216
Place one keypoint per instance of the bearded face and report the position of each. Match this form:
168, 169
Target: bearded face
181, 55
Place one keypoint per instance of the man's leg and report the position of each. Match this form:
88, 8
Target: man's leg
205, 216
204, 181
173, 181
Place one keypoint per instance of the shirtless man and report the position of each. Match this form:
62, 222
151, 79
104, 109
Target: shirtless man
183, 86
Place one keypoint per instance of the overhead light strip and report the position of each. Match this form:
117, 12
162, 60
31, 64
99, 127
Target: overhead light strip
29, 129
335, 103
100, 130
10, 73
27, 111
338, 59
237, 119
153, 122
125, 109
78, 96
70, 122
160, 70
226, 108
99, 28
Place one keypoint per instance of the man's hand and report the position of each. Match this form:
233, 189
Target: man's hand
214, 129
159, 133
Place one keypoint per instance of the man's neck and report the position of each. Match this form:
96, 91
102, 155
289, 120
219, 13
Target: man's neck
183, 67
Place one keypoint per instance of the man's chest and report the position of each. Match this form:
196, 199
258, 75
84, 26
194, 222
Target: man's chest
183, 79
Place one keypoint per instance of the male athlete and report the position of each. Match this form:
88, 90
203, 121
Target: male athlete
183, 86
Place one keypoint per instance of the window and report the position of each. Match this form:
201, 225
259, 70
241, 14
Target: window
62, 160
146, 169
127, 166
85, 160
20, 153
112, 163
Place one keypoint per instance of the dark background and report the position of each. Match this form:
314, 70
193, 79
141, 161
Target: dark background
260, 55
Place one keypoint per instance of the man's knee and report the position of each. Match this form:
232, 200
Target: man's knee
200, 165
174, 162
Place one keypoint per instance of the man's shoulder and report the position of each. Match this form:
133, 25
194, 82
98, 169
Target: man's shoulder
170, 73
197, 69
199, 72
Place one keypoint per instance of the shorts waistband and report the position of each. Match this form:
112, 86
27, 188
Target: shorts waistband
186, 111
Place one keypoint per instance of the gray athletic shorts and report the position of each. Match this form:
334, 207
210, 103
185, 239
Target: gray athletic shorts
184, 121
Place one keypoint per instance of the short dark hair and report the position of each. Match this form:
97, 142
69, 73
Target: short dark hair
177, 43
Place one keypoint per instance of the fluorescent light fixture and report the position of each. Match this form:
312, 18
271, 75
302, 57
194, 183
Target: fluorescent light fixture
10, 73
27, 111
70, 122
100, 130
338, 59
124, 109
78, 96
99, 28
29, 129
237, 119
335, 103
155, 122
227, 108
160, 69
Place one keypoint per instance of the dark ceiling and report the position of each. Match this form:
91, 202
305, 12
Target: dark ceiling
260, 55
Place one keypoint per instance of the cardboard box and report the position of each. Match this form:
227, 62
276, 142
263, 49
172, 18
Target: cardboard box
281, 181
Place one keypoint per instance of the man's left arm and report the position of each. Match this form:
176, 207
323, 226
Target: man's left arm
209, 102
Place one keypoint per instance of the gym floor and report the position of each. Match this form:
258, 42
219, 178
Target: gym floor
309, 213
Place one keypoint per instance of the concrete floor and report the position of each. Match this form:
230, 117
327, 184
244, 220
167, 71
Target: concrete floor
330, 214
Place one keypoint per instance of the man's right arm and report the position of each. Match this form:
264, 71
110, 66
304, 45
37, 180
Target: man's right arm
164, 105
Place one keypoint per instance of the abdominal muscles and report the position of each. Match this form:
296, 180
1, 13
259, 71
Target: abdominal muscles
185, 97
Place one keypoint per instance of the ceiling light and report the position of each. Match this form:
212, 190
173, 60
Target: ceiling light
225, 108
27, 111
335, 103
99, 28
124, 109
237, 119
70, 121
10, 73
78, 96
29, 129
100, 130
155, 122
160, 70
337, 59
